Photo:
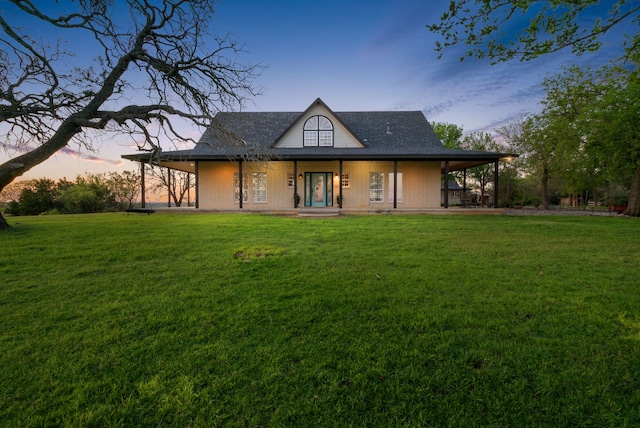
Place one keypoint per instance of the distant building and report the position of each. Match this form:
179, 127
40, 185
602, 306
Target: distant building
455, 192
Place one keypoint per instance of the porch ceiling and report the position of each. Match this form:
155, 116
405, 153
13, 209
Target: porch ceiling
186, 166
457, 165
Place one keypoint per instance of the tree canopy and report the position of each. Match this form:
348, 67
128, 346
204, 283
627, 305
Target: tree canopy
587, 135
149, 64
502, 30
450, 134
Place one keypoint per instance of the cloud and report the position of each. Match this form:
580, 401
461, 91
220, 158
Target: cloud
69, 152
91, 158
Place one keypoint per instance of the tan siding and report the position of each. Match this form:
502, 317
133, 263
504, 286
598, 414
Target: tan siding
341, 136
215, 185
421, 184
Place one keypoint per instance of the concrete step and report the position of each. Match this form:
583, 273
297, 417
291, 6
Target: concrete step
318, 212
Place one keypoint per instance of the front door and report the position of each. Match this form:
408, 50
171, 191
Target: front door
318, 189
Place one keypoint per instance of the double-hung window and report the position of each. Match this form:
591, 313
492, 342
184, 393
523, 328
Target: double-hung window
236, 187
259, 187
376, 187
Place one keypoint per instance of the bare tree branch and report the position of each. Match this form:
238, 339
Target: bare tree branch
150, 66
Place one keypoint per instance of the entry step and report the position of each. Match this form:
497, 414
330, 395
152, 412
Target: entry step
318, 212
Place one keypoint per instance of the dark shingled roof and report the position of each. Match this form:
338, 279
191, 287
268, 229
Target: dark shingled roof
390, 135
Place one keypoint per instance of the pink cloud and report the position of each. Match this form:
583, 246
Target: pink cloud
69, 152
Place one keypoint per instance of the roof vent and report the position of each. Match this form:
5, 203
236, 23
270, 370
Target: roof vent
388, 129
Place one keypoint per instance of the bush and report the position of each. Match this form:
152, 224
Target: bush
81, 198
36, 200
12, 208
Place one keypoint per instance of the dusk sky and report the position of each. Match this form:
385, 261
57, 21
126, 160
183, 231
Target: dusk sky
359, 56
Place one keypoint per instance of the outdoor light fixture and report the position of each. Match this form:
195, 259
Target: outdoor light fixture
300, 177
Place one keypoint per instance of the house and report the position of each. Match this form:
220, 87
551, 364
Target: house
454, 189
367, 161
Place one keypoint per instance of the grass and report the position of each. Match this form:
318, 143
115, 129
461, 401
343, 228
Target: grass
249, 320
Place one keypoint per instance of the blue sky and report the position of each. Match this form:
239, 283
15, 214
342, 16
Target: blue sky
356, 55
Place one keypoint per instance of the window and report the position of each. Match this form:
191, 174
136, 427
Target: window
236, 186
376, 189
318, 131
399, 182
345, 179
291, 179
259, 187
454, 194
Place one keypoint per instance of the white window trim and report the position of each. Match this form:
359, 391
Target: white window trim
318, 131
376, 195
245, 187
259, 194
346, 183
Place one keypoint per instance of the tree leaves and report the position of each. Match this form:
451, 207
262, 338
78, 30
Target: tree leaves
526, 29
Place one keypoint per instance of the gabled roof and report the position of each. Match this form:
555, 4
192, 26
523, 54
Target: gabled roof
452, 184
305, 114
384, 135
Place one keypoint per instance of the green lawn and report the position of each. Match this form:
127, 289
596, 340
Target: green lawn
251, 320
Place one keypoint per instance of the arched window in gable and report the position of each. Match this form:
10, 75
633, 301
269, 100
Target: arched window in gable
318, 131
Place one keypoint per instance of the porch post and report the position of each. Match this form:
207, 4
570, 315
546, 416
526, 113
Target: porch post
197, 193
340, 180
142, 189
240, 184
464, 181
395, 184
295, 184
168, 188
495, 184
446, 184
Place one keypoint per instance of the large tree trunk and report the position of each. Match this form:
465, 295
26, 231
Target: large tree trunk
633, 208
3, 223
545, 188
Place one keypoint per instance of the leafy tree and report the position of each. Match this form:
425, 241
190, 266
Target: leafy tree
80, 198
613, 129
38, 199
570, 97
525, 29
89, 194
124, 187
539, 148
482, 175
553, 142
151, 69
449, 133
585, 141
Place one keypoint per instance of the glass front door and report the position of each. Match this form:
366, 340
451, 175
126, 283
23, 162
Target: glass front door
318, 189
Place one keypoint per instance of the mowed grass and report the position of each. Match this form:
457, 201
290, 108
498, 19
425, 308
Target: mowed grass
253, 320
